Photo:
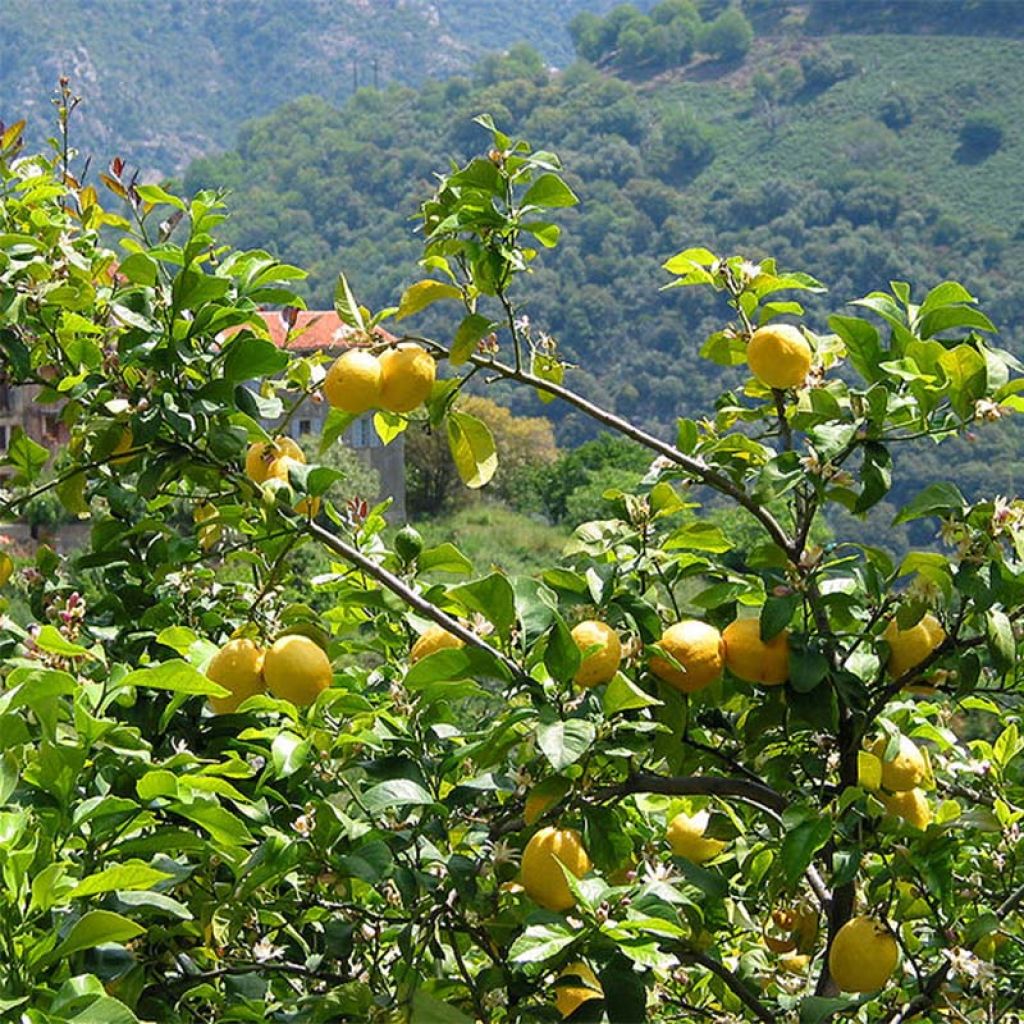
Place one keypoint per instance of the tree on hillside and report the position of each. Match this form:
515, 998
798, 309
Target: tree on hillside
728, 37
684, 772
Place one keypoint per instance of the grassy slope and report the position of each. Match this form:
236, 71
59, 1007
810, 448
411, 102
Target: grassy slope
491, 536
946, 77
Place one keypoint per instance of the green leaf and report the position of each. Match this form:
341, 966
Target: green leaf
395, 793
288, 753
561, 655
550, 191
622, 694
818, 1009
776, 614
424, 293
252, 358
938, 499
94, 929
224, 827
807, 669
335, 425
49, 639
493, 597
564, 743
949, 318
428, 1010
155, 194
444, 558
1001, 644
139, 268
549, 368
345, 305
474, 326
1008, 745
176, 676
540, 942
800, 844
472, 448
25, 455
698, 536
130, 875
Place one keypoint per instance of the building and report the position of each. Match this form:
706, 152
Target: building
18, 408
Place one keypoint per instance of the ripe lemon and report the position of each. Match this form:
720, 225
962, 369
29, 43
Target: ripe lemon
433, 639
540, 874
863, 956
408, 373
779, 356
543, 797
698, 648
599, 666
580, 985
297, 669
749, 658
906, 771
278, 470
685, 835
794, 963
6, 567
354, 381
260, 456
909, 647
792, 928
238, 667
912, 806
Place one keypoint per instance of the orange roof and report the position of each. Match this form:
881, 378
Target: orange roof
315, 330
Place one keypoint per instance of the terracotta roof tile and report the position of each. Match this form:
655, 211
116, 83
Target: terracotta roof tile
315, 330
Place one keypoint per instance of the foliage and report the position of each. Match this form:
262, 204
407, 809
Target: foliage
356, 859
728, 37
982, 134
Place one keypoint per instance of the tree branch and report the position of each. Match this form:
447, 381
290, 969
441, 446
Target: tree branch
735, 984
391, 582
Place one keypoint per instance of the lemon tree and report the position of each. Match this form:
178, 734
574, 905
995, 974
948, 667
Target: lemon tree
705, 767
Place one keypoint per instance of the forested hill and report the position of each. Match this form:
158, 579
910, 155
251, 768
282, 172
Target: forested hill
860, 175
166, 81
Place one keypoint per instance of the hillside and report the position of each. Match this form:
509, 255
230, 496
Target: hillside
170, 80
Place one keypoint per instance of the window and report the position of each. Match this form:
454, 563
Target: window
3, 437
5, 397
51, 425
305, 427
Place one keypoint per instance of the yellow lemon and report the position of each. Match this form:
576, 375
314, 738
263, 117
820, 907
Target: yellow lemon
699, 650
209, 530
912, 806
685, 835
909, 647
6, 567
779, 356
749, 658
792, 928
297, 669
543, 797
238, 667
353, 383
794, 963
261, 456
433, 639
600, 665
907, 769
576, 985
540, 874
278, 470
408, 373
863, 955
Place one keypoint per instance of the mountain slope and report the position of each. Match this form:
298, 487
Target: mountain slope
169, 80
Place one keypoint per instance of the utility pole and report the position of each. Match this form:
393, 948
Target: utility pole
355, 76
376, 68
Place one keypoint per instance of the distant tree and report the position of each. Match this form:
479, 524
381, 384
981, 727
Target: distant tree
728, 37
585, 32
896, 110
669, 10
982, 133
687, 144
824, 67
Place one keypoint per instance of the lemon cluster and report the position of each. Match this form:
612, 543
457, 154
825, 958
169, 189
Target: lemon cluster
272, 461
295, 668
399, 380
